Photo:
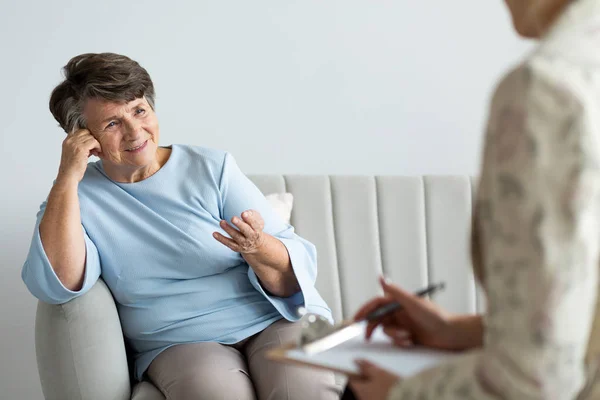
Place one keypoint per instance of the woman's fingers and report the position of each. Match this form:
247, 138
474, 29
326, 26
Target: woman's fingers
403, 343
85, 141
227, 242
83, 136
392, 327
245, 237
80, 132
400, 337
231, 231
371, 326
371, 306
254, 219
392, 293
405, 298
243, 227
92, 145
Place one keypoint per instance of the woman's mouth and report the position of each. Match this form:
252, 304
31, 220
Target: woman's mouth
137, 149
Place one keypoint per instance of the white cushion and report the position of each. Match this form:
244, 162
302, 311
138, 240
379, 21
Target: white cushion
282, 203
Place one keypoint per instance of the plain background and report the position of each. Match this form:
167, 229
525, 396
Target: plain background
304, 87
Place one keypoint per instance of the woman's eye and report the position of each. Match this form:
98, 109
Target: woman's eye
110, 125
140, 111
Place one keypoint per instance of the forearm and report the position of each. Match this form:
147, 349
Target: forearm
272, 265
62, 236
466, 332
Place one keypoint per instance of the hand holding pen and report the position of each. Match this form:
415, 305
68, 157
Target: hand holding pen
416, 320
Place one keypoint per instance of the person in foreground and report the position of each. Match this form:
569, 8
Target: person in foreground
535, 238
205, 275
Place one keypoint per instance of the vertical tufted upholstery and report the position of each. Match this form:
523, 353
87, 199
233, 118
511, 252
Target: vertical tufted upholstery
412, 229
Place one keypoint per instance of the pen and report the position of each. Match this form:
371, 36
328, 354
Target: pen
347, 332
388, 308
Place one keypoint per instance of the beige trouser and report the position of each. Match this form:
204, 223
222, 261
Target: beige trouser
214, 371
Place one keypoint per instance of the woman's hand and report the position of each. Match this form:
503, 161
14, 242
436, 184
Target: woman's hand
374, 384
248, 238
266, 255
76, 150
420, 321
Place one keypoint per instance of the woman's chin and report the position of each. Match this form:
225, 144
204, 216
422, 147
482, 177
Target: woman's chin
527, 32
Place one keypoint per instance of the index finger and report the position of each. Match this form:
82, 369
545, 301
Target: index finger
371, 306
77, 131
403, 297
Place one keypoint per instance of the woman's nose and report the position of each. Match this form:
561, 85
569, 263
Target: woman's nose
133, 130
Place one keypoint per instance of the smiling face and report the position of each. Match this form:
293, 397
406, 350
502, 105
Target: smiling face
128, 134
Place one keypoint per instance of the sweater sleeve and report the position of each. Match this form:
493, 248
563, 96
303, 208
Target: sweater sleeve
40, 278
239, 194
539, 229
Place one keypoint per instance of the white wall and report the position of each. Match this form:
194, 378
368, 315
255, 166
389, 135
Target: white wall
288, 86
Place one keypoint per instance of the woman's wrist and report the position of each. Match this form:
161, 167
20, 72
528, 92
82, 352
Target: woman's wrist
464, 332
65, 181
272, 264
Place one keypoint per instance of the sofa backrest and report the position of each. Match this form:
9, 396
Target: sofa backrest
414, 230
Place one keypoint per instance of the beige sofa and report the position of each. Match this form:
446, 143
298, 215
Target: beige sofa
412, 229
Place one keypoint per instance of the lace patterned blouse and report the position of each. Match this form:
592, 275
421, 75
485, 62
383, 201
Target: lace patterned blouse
537, 229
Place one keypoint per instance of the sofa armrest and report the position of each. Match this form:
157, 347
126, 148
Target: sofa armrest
80, 348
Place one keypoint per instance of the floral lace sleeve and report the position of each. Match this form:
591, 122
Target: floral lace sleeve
538, 227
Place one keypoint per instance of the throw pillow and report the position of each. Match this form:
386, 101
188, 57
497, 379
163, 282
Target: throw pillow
282, 203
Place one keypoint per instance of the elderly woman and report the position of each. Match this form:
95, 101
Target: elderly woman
205, 275
536, 242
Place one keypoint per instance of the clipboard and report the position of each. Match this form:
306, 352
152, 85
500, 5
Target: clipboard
379, 350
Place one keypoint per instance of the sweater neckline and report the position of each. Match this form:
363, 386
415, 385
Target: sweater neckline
149, 180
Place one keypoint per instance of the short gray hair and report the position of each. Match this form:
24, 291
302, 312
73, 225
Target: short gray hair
105, 76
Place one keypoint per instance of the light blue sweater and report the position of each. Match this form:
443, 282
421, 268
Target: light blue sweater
151, 241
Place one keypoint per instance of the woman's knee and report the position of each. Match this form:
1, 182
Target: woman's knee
218, 384
201, 370
273, 380
297, 383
